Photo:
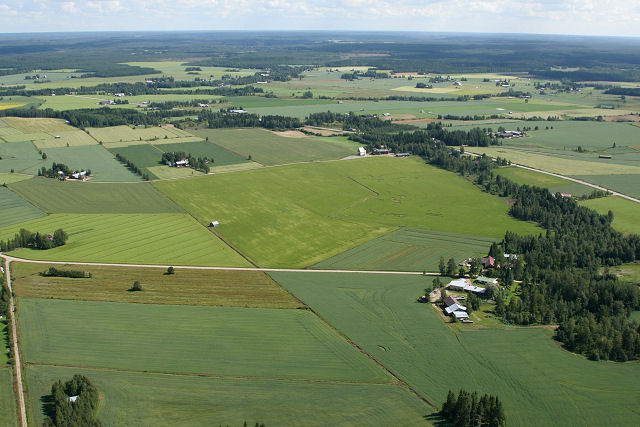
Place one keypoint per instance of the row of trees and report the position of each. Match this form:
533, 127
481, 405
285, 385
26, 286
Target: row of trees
26, 239
132, 166
471, 410
74, 274
229, 119
63, 412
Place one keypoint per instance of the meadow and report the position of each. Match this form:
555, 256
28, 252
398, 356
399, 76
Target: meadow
626, 214
164, 239
184, 287
115, 134
53, 196
9, 178
226, 341
133, 398
269, 148
299, 215
533, 376
408, 249
18, 157
7, 399
14, 209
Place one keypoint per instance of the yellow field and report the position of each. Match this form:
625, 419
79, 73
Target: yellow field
7, 106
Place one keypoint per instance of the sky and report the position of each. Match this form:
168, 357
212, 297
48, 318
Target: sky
584, 17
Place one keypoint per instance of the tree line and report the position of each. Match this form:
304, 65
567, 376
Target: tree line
132, 166
26, 239
73, 274
470, 410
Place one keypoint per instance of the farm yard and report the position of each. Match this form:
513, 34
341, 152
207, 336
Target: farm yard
408, 249
164, 239
381, 315
283, 224
184, 287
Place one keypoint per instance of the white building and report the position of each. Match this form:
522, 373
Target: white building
362, 151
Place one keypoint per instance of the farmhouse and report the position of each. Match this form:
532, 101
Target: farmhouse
183, 162
452, 308
380, 151
466, 286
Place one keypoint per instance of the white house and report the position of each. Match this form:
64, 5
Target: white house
362, 151
214, 224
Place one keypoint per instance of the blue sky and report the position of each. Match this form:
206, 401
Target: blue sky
590, 17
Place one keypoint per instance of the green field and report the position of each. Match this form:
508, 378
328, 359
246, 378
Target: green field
299, 215
184, 287
14, 209
7, 399
626, 214
131, 398
45, 133
408, 249
593, 136
8, 178
226, 341
165, 239
553, 184
269, 148
629, 273
53, 196
221, 156
533, 376
142, 155
18, 156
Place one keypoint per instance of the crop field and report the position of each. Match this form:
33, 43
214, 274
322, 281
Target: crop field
221, 156
553, 184
18, 156
164, 239
626, 214
45, 133
299, 215
381, 315
142, 155
408, 249
7, 399
14, 209
166, 172
128, 133
269, 148
133, 398
9, 178
53, 196
257, 342
184, 287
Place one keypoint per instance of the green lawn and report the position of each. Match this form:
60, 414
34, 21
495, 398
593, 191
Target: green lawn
408, 249
165, 239
131, 398
14, 209
53, 196
266, 343
268, 148
185, 287
7, 399
299, 215
626, 214
534, 377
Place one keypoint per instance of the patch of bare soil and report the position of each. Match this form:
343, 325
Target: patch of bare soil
625, 118
291, 134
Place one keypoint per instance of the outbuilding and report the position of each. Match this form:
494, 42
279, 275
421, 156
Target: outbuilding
214, 224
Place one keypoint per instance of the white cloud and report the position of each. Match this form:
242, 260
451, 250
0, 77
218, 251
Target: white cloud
598, 17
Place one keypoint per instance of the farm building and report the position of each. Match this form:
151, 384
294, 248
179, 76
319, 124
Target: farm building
380, 151
466, 286
488, 262
214, 224
362, 151
511, 257
604, 156
452, 308
238, 111
487, 280
403, 154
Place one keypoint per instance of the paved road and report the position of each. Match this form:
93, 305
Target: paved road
16, 349
193, 267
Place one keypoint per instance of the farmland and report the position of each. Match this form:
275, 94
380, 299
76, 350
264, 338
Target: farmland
14, 209
135, 398
270, 148
553, 184
117, 134
45, 133
226, 341
283, 224
380, 314
221, 156
408, 249
7, 399
8, 178
53, 196
625, 212
165, 239
185, 287
18, 156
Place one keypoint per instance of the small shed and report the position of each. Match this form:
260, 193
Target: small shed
214, 224
362, 151
73, 399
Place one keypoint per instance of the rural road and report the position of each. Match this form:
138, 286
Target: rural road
194, 267
577, 181
16, 348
